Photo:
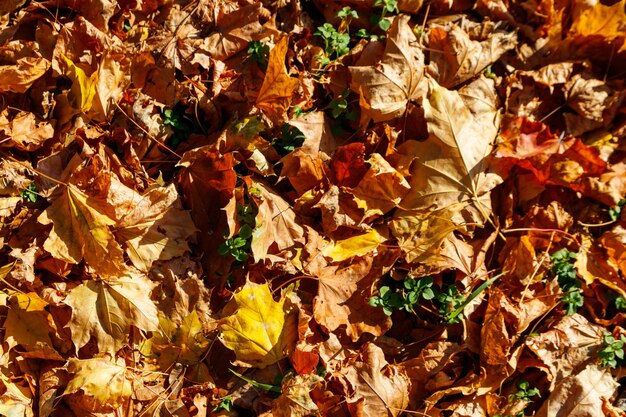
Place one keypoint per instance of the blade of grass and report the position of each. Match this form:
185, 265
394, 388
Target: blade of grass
473, 295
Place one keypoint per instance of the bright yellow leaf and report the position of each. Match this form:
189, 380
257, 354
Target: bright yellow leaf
258, 332
83, 88
104, 384
81, 230
353, 246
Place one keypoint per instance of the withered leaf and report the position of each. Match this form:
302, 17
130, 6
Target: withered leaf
107, 309
387, 87
104, 385
451, 166
81, 229
278, 87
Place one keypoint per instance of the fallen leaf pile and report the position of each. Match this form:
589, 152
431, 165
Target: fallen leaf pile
312, 208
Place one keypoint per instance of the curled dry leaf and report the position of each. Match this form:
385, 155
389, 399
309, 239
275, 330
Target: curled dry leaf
375, 387
581, 395
24, 131
276, 222
295, 400
28, 324
16, 400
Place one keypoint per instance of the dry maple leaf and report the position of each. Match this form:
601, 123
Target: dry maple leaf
259, 330
106, 310
387, 87
596, 19
19, 77
451, 165
295, 399
234, 31
581, 395
184, 344
382, 187
25, 131
566, 347
28, 324
81, 230
278, 87
153, 226
377, 388
342, 299
208, 181
98, 385
15, 400
420, 234
275, 222
459, 53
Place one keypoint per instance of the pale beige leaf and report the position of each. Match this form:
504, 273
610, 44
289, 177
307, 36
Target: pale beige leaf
105, 385
459, 53
275, 222
388, 86
379, 389
581, 395
154, 227
451, 165
106, 310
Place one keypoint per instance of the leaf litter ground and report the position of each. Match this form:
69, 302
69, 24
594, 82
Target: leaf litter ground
325, 208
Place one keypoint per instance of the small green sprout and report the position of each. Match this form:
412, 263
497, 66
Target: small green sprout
525, 392
615, 212
258, 52
30, 193
565, 271
406, 298
387, 6
226, 404
613, 350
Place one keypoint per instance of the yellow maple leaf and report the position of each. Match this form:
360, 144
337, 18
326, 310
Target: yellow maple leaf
83, 87
259, 332
28, 324
104, 384
108, 309
278, 87
353, 246
81, 230
184, 343
606, 21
